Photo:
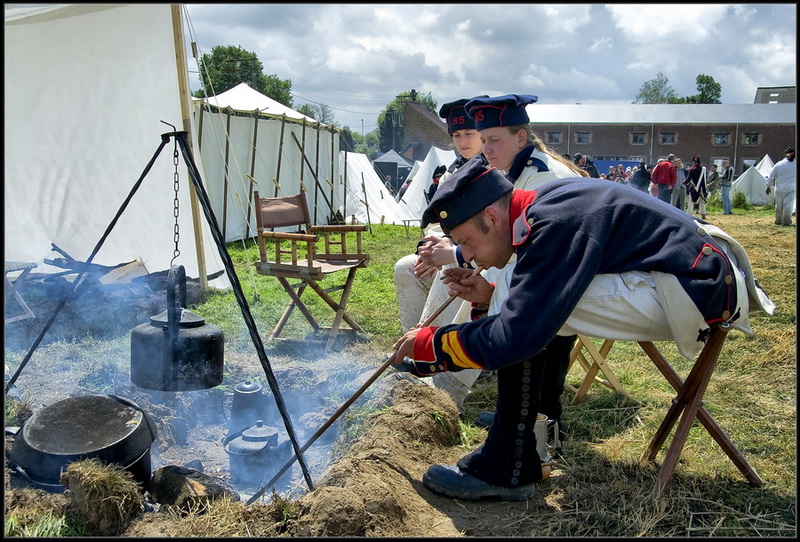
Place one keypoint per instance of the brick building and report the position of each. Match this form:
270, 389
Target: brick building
741, 133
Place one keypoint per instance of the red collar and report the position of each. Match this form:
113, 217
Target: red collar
520, 200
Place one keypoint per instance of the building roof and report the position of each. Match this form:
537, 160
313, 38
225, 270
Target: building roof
784, 113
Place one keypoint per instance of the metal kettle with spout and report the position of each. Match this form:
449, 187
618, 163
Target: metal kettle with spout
177, 350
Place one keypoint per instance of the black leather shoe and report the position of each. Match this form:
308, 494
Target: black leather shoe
450, 481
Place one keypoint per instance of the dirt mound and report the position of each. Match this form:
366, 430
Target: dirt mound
375, 489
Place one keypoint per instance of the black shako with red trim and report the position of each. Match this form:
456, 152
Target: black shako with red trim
573, 230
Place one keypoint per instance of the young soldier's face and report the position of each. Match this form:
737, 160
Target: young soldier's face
467, 143
500, 146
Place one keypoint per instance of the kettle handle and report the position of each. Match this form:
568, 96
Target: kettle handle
171, 279
173, 315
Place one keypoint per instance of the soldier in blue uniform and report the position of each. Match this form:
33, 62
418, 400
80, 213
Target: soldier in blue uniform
594, 258
512, 147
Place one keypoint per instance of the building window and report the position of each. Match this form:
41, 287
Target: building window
554, 138
748, 163
637, 138
583, 138
722, 138
668, 138
752, 139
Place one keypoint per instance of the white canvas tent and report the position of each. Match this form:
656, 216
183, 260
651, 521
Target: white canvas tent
414, 199
87, 88
753, 184
250, 142
765, 165
367, 199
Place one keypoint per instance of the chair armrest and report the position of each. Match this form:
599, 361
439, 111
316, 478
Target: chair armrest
288, 236
340, 228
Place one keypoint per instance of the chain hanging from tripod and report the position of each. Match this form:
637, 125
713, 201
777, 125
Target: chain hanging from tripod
176, 178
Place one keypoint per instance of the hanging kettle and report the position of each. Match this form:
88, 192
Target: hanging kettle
177, 350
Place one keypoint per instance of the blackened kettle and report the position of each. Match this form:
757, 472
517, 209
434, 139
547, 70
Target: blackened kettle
177, 350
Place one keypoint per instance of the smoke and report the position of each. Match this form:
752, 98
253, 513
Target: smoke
87, 351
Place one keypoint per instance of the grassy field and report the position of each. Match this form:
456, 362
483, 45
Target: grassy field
752, 395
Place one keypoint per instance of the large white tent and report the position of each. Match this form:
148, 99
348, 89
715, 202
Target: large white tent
367, 199
250, 142
413, 201
88, 90
753, 184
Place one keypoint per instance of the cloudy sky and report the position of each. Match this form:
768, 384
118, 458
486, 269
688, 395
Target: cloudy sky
355, 58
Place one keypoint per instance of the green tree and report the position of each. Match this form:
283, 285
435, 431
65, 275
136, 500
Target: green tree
656, 91
320, 112
709, 91
229, 65
391, 121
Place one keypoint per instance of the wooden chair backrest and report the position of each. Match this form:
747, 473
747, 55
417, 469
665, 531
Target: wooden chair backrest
282, 211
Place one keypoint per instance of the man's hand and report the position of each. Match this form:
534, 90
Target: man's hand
467, 285
436, 252
404, 347
768, 189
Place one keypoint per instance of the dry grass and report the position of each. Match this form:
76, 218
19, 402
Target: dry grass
601, 488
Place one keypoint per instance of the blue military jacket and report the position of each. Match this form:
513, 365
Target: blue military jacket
572, 230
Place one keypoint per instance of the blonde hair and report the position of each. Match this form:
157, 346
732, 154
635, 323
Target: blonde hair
539, 145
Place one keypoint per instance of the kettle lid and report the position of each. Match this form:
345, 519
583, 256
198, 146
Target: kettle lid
253, 439
187, 318
247, 387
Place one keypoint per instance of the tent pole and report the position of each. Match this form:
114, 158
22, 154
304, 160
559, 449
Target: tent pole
227, 166
183, 90
333, 172
344, 189
280, 156
366, 201
311, 169
252, 167
316, 174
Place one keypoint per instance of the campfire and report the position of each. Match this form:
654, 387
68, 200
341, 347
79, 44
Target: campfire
231, 431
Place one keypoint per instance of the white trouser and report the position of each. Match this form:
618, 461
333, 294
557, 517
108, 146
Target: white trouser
642, 306
411, 292
784, 205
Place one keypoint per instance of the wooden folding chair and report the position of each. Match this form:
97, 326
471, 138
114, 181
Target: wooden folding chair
288, 262
13, 289
688, 405
593, 368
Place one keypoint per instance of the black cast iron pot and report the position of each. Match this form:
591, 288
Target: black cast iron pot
110, 428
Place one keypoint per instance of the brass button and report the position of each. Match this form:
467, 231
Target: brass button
726, 314
701, 231
440, 368
432, 368
465, 265
442, 214
529, 162
531, 221
728, 279
708, 251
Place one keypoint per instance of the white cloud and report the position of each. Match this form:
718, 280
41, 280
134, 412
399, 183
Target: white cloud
356, 58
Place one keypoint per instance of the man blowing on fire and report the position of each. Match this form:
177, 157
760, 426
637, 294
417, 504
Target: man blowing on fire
592, 258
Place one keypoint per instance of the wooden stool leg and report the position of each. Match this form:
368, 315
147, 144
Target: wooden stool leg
690, 393
688, 399
705, 418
